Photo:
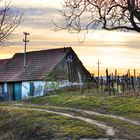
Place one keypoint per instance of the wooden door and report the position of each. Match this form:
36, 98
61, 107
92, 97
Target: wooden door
31, 89
10, 91
17, 91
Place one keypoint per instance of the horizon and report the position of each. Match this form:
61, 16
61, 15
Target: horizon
120, 71
114, 49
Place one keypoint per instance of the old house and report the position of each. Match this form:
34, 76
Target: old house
45, 70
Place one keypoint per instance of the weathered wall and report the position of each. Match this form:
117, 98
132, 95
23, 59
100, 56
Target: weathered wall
71, 69
42, 87
39, 88
60, 72
25, 90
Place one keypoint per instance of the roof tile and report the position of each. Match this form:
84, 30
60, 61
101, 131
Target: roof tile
38, 65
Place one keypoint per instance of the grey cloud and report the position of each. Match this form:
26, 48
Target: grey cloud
70, 43
38, 16
39, 11
41, 16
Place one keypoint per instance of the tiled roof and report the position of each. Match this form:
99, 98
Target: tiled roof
38, 65
3, 62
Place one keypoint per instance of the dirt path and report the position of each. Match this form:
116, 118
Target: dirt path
109, 130
99, 114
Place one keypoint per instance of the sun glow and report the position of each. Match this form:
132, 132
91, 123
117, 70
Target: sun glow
114, 37
114, 49
109, 36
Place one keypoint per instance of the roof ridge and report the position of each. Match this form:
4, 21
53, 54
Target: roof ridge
5, 59
51, 49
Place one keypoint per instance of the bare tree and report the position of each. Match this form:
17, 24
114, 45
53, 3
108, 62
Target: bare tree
107, 14
9, 20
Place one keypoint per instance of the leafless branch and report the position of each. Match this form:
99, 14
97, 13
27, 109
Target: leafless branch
106, 14
9, 20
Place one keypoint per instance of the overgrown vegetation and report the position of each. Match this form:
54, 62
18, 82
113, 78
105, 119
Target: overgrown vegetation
26, 124
17, 124
124, 129
126, 106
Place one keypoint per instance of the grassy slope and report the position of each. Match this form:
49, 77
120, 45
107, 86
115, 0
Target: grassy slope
20, 124
125, 106
124, 130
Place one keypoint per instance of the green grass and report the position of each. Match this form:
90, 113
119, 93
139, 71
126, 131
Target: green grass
126, 106
124, 129
21, 124
18, 123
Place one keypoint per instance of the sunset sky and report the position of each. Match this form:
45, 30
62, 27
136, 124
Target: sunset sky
115, 50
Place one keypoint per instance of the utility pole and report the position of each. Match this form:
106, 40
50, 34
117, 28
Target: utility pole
98, 74
25, 46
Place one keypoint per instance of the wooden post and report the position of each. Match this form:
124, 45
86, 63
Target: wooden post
98, 75
129, 78
134, 72
108, 81
102, 84
118, 83
112, 84
134, 82
115, 75
139, 83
